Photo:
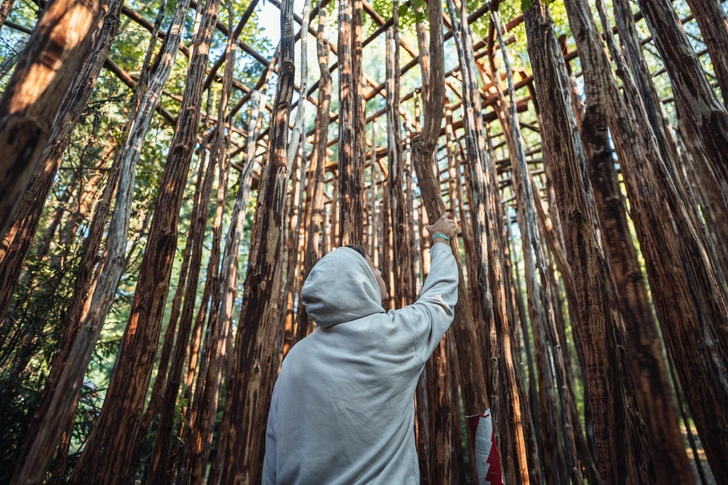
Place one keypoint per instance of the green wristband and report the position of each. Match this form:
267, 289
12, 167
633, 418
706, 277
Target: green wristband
440, 235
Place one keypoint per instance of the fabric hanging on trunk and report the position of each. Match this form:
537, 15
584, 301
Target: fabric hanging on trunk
485, 451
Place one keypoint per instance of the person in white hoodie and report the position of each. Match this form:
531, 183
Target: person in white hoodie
342, 411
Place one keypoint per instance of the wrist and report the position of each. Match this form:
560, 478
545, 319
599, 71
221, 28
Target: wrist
440, 237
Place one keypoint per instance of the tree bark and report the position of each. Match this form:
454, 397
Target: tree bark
472, 375
653, 389
689, 302
250, 391
538, 285
202, 412
706, 116
111, 446
16, 242
315, 191
350, 205
36, 454
36, 90
621, 456
230, 261
713, 23
160, 467
398, 210
641, 74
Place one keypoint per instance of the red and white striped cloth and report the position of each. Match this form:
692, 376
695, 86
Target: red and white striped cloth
482, 439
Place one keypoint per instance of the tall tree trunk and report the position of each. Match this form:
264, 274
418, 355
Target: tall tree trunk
350, 166
472, 374
298, 128
32, 98
706, 116
202, 412
230, 262
63, 387
159, 468
538, 285
17, 240
398, 211
666, 142
160, 382
440, 414
82, 288
315, 191
358, 119
713, 23
490, 272
302, 219
250, 391
164, 462
111, 446
690, 304
653, 390
292, 245
622, 458
641, 74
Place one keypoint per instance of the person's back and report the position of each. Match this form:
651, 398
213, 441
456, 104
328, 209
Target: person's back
342, 409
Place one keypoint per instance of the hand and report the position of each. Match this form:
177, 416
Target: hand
445, 225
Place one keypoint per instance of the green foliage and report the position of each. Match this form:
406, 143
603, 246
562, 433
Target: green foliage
408, 16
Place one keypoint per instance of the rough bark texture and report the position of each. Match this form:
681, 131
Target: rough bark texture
538, 286
489, 271
713, 23
472, 375
16, 241
34, 93
25, 223
230, 259
706, 116
621, 457
689, 302
350, 205
315, 191
401, 245
111, 445
653, 390
253, 372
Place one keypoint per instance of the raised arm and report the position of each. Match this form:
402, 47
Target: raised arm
430, 316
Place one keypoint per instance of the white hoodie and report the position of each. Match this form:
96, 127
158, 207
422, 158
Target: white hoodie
343, 406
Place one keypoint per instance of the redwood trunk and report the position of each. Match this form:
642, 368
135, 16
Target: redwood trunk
350, 168
315, 192
251, 387
16, 242
621, 456
706, 116
32, 98
472, 375
653, 390
713, 23
689, 301
113, 441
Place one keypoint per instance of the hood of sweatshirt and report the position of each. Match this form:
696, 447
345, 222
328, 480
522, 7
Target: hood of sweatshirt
340, 288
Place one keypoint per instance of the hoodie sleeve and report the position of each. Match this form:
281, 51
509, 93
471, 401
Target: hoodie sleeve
431, 315
269, 462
